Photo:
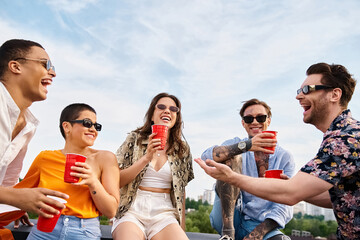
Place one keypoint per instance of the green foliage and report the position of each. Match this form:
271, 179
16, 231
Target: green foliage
191, 203
104, 220
199, 221
314, 224
319, 217
298, 215
33, 215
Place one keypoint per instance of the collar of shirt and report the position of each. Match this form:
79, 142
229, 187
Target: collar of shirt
10, 149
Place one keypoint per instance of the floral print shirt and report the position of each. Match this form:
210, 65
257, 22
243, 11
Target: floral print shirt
181, 169
337, 162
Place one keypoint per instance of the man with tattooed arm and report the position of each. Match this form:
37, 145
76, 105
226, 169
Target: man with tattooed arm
332, 178
237, 214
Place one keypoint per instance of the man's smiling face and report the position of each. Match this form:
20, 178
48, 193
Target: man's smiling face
255, 127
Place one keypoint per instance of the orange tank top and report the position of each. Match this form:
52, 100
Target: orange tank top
47, 171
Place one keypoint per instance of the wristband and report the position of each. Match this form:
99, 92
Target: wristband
248, 144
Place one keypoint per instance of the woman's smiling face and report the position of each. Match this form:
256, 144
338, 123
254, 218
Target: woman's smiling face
81, 134
165, 116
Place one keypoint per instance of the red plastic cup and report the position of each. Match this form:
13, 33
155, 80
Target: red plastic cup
161, 132
71, 158
275, 173
274, 137
48, 224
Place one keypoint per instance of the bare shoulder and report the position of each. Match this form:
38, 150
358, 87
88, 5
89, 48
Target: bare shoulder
104, 157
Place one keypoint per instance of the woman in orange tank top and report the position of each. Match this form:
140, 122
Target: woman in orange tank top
96, 193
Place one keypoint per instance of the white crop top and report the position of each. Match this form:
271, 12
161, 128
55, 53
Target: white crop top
157, 179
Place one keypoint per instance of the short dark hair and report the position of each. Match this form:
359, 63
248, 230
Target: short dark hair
336, 76
72, 112
252, 102
13, 49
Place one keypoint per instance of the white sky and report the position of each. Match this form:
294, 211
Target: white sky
212, 54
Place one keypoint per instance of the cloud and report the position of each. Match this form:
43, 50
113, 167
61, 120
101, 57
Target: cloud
117, 55
70, 6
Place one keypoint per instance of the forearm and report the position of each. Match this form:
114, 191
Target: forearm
321, 200
223, 153
129, 174
105, 202
32, 199
262, 229
9, 195
269, 189
301, 186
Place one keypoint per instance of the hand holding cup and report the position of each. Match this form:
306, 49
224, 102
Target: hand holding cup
48, 224
274, 173
273, 137
161, 133
71, 158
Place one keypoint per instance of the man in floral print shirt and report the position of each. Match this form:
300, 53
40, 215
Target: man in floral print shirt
332, 178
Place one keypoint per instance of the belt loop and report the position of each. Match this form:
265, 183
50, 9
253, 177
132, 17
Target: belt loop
82, 222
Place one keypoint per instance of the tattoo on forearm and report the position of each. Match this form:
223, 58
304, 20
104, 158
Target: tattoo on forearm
94, 192
222, 153
262, 162
228, 195
263, 228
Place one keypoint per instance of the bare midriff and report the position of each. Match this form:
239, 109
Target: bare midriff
156, 190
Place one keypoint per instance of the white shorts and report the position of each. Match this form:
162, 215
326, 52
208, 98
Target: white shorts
150, 211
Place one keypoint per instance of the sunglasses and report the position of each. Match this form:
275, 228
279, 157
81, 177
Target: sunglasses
171, 108
88, 123
311, 88
259, 119
46, 62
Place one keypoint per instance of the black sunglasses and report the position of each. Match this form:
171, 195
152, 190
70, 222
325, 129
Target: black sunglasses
259, 119
88, 123
171, 108
311, 88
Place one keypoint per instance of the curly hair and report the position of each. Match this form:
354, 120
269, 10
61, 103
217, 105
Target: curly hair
336, 76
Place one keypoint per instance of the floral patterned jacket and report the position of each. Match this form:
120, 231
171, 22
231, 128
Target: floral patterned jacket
337, 162
182, 173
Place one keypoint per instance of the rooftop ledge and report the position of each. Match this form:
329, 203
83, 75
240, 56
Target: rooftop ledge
22, 232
